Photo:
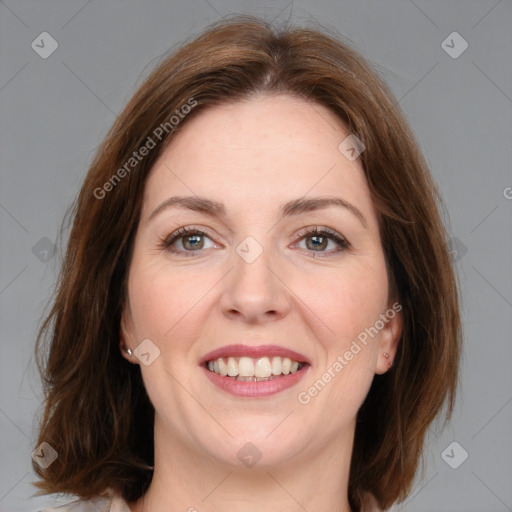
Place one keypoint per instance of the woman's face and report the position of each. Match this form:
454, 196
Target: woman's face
258, 286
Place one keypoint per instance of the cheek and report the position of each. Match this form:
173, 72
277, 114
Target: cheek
347, 300
351, 303
166, 308
166, 290
163, 302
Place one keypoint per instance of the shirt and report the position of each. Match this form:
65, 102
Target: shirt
112, 503
115, 503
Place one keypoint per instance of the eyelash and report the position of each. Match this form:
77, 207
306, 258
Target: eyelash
167, 242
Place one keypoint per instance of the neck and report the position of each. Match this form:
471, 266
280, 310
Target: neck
185, 478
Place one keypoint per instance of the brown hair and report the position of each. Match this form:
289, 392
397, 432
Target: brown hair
97, 415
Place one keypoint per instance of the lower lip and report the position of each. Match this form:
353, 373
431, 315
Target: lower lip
255, 389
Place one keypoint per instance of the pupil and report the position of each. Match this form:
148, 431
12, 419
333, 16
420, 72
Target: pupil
317, 245
196, 239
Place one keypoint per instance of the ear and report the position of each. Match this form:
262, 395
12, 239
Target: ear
126, 334
389, 338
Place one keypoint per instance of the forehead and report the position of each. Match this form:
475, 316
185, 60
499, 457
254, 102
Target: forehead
273, 147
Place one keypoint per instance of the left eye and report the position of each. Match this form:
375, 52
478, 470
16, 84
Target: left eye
317, 240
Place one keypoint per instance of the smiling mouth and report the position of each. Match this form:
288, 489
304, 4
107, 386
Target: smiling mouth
247, 369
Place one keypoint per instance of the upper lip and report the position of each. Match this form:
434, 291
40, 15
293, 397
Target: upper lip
240, 350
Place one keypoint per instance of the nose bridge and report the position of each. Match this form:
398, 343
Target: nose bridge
252, 289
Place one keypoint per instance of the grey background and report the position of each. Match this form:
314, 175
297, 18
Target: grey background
55, 111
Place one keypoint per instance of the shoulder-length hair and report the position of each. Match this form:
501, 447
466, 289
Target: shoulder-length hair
97, 415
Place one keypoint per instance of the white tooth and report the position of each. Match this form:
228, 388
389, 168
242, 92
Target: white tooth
286, 365
210, 366
246, 367
276, 366
216, 367
262, 367
295, 367
223, 367
232, 367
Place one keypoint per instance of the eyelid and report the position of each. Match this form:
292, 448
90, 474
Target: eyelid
319, 229
188, 229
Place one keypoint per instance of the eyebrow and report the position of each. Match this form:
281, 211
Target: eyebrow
294, 207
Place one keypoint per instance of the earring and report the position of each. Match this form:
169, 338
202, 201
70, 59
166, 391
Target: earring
127, 350
386, 355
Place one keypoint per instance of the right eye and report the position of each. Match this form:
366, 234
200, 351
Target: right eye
187, 240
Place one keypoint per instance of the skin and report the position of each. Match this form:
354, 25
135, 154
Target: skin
254, 156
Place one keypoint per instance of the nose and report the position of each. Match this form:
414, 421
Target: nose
255, 292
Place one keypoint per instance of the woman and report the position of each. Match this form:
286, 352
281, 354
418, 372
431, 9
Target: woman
257, 308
